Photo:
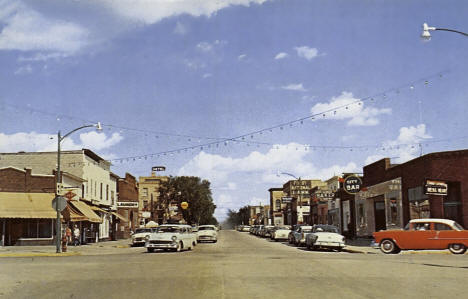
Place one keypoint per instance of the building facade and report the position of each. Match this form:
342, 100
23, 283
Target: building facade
127, 205
278, 207
150, 207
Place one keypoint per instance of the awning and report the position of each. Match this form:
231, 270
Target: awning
97, 209
86, 210
120, 216
74, 215
27, 205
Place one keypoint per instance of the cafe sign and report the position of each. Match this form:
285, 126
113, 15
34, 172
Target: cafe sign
352, 184
434, 187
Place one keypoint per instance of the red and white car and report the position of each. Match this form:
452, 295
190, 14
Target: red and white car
429, 233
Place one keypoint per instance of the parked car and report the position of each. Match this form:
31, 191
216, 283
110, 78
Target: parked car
258, 229
299, 235
427, 233
175, 237
281, 233
266, 231
325, 236
207, 233
138, 237
245, 228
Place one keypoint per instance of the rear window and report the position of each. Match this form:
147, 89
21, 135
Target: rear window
206, 228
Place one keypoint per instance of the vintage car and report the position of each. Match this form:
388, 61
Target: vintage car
298, 236
281, 233
325, 236
245, 228
175, 237
138, 237
427, 233
207, 233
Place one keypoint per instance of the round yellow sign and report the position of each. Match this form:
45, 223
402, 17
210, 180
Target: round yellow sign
184, 205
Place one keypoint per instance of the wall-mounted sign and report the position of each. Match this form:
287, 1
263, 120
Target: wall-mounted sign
145, 214
127, 204
184, 205
158, 168
286, 199
352, 184
433, 187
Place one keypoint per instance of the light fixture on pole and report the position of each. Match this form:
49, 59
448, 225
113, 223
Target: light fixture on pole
58, 190
426, 35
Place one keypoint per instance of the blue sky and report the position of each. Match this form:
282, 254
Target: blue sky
179, 78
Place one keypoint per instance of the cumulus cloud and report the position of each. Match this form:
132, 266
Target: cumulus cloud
346, 106
207, 47
291, 157
405, 147
294, 87
22, 70
180, 29
31, 142
281, 55
150, 12
207, 75
306, 52
27, 30
241, 57
257, 201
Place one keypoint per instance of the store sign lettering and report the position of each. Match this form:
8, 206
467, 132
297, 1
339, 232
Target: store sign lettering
352, 184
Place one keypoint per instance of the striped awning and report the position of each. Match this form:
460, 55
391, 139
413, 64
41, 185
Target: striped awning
122, 218
27, 205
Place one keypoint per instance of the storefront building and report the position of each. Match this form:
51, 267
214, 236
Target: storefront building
127, 206
277, 206
431, 186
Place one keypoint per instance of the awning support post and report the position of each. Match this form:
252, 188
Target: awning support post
3, 233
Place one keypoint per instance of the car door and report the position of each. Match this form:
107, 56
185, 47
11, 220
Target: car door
421, 235
444, 235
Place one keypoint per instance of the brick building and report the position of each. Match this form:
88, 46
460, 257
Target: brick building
127, 205
395, 193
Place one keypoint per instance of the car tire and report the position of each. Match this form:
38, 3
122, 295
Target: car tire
215, 241
150, 249
387, 246
309, 247
457, 248
194, 244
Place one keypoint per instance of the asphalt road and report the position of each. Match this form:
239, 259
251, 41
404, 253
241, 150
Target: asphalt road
238, 266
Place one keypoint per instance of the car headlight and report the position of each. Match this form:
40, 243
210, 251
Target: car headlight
147, 238
173, 238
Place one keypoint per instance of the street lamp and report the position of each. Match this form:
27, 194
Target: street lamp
300, 186
60, 138
426, 35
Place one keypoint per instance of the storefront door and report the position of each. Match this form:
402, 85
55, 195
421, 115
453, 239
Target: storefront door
379, 212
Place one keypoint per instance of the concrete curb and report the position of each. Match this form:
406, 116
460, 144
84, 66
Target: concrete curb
38, 254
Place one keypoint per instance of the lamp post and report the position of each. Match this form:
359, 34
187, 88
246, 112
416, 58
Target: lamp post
60, 138
300, 186
426, 35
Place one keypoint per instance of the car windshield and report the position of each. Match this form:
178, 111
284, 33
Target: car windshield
142, 230
169, 229
326, 228
206, 228
284, 227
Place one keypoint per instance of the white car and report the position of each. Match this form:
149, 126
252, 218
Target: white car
207, 233
325, 236
138, 237
281, 233
175, 237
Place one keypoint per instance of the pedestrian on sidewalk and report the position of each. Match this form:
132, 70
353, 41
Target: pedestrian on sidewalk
76, 234
68, 234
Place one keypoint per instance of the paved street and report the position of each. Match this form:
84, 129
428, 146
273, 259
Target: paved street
238, 266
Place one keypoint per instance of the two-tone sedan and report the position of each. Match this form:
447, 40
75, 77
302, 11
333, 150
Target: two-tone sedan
175, 237
429, 233
325, 236
281, 233
207, 233
138, 237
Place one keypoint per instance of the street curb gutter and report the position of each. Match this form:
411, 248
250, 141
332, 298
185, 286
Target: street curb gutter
357, 251
38, 254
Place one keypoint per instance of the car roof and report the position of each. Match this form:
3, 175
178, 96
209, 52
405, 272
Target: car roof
207, 225
446, 221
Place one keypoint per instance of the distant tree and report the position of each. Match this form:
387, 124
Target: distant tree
196, 192
237, 218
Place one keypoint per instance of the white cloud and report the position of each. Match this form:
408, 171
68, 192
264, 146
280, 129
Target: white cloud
31, 142
241, 57
256, 201
345, 106
43, 57
291, 157
405, 147
306, 52
180, 29
27, 30
150, 12
294, 87
207, 75
281, 55
22, 70
207, 47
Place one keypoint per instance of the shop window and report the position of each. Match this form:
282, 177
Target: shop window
33, 229
278, 205
418, 203
361, 213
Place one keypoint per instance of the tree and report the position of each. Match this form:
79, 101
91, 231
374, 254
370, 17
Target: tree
237, 218
196, 192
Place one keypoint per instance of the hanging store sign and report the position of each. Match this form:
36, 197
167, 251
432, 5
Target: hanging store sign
286, 199
433, 187
127, 204
352, 184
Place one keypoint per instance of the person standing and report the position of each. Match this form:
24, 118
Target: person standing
68, 234
76, 234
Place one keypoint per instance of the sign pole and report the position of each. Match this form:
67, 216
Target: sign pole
58, 225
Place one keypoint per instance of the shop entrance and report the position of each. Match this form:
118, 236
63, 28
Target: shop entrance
452, 203
379, 213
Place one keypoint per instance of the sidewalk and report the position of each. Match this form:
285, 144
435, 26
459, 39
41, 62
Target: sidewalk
360, 245
105, 247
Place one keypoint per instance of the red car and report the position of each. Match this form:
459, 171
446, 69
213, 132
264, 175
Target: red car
427, 233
